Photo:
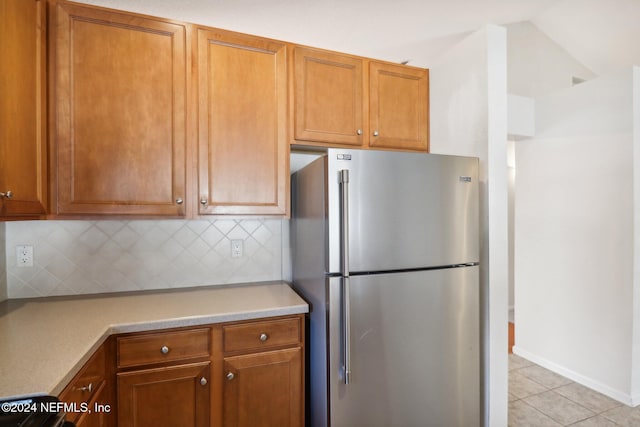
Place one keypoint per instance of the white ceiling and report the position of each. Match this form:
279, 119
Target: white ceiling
602, 34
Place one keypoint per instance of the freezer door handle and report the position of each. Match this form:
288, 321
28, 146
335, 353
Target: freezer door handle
344, 222
344, 267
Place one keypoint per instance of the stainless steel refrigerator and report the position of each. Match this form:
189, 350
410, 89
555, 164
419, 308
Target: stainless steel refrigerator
385, 250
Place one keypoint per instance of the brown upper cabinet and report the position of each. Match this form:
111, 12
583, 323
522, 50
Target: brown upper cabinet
120, 83
154, 117
398, 107
243, 152
346, 100
329, 103
23, 168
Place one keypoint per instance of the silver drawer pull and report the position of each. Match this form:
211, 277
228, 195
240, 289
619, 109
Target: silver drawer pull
88, 388
164, 349
230, 376
203, 381
264, 337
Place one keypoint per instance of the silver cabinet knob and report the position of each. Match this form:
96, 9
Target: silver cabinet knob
179, 201
375, 133
203, 201
359, 131
8, 194
264, 337
164, 349
203, 381
88, 388
230, 376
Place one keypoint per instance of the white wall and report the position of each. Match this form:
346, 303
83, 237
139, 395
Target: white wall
521, 116
82, 257
635, 356
574, 236
537, 65
468, 86
3, 266
521, 124
599, 107
511, 183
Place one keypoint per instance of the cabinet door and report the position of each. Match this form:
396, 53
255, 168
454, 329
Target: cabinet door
264, 389
398, 107
120, 93
88, 384
328, 104
243, 150
22, 108
170, 396
99, 410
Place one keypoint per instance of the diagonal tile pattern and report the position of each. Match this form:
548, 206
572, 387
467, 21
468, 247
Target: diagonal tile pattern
81, 257
559, 408
523, 415
539, 397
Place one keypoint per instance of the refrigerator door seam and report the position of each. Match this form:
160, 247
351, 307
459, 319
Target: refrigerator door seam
408, 270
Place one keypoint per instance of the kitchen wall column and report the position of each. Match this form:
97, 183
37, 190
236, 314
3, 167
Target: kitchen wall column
469, 87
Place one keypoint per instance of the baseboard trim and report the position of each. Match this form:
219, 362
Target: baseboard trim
622, 397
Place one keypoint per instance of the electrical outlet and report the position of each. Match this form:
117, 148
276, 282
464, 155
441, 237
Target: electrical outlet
24, 256
236, 248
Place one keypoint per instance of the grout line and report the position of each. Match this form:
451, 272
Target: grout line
547, 389
539, 411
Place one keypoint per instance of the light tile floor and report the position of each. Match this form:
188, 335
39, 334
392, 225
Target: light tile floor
541, 398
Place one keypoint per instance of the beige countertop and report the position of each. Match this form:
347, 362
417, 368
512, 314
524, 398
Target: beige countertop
45, 341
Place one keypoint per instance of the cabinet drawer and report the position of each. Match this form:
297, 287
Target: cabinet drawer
261, 335
89, 381
163, 347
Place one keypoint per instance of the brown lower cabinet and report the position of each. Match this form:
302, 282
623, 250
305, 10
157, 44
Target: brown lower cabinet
235, 374
168, 396
100, 415
88, 389
263, 389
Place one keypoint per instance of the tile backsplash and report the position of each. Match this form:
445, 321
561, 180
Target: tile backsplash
3, 265
83, 257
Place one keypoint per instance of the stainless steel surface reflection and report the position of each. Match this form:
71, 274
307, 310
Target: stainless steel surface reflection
386, 251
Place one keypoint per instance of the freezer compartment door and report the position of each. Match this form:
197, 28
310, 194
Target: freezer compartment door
406, 210
414, 350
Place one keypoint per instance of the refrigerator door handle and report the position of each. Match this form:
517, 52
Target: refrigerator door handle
344, 254
344, 222
346, 332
